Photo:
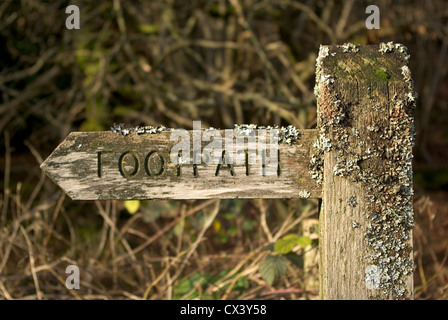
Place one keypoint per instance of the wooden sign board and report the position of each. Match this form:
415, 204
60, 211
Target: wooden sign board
105, 165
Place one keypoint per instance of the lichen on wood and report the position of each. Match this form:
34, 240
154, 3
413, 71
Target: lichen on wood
365, 147
133, 165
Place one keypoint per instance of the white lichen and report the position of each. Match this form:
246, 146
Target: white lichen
328, 79
406, 73
349, 47
391, 47
121, 130
355, 224
304, 194
323, 51
352, 201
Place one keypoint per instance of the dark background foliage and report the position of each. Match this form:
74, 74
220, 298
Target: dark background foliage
172, 62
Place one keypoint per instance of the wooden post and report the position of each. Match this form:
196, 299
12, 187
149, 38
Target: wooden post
311, 255
365, 99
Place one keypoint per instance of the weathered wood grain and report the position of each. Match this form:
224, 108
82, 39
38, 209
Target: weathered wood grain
364, 109
311, 255
102, 165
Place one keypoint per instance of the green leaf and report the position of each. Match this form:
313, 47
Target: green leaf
179, 228
241, 284
248, 225
187, 285
183, 287
229, 216
272, 268
223, 238
286, 244
132, 206
295, 259
304, 241
268, 247
232, 231
149, 28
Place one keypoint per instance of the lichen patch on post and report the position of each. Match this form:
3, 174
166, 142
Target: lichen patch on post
304, 194
352, 201
376, 157
350, 47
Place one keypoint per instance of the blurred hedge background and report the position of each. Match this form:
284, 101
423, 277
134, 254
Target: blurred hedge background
171, 62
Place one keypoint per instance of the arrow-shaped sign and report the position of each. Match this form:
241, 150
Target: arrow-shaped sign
106, 165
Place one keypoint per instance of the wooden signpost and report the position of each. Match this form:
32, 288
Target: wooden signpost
105, 165
358, 161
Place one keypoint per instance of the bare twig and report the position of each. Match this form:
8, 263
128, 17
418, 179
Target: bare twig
264, 225
53, 220
166, 228
6, 178
32, 262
